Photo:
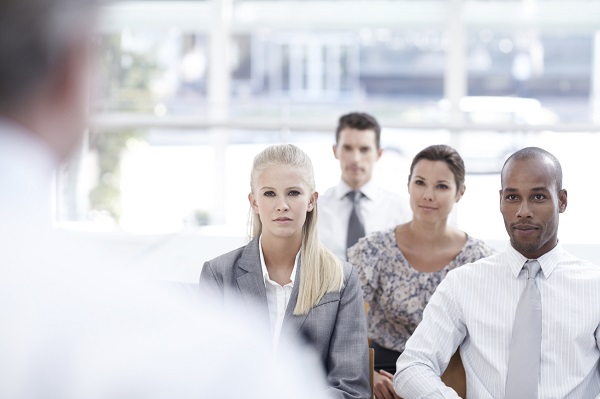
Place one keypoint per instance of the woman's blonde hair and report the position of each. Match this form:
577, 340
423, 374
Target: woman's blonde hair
322, 271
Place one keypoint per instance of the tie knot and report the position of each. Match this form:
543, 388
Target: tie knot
533, 268
354, 195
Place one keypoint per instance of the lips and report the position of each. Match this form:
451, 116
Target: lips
282, 219
525, 231
524, 227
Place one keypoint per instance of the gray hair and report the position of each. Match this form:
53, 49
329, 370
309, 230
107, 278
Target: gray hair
34, 36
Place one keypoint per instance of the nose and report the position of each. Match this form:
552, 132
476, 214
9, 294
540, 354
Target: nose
428, 194
524, 210
355, 155
282, 205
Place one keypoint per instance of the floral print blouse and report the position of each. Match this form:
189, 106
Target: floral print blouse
397, 293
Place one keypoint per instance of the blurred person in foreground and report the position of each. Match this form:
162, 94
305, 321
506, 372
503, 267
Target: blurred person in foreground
70, 329
401, 267
302, 288
356, 206
526, 320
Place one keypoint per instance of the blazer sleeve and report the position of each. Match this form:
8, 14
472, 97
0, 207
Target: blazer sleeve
348, 360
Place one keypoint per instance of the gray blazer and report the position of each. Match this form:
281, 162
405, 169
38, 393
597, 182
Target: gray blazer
335, 327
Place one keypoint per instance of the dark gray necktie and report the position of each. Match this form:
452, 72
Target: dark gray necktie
526, 342
356, 229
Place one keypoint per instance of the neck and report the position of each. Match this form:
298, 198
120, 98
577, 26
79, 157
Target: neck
280, 252
355, 186
430, 233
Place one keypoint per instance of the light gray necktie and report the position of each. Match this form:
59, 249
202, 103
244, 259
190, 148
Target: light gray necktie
525, 347
356, 229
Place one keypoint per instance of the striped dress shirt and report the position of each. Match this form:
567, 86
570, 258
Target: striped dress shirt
474, 308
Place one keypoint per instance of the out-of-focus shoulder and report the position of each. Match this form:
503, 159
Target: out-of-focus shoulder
227, 258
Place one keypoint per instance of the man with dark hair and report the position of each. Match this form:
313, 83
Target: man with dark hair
527, 320
71, 328
356, 206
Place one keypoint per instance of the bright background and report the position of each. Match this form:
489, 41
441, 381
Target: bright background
189, 91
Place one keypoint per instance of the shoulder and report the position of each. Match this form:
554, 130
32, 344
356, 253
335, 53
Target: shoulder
225, 261
328, 194
477, 248
350, 275
482, 268
373, 243
579, 266
376, 238
327, 206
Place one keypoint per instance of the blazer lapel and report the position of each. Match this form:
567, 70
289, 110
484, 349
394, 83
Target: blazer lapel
250, 279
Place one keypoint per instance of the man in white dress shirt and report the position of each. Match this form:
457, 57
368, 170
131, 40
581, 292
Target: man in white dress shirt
474, 308
357, 147
70, 328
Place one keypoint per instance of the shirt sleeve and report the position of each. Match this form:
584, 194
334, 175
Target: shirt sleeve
364, 257
431, 346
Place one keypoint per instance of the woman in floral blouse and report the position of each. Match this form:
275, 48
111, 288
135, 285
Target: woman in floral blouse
400, 268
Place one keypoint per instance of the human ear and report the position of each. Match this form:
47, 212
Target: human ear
312, 201
253, 203
334, 148
562, 200
460, 193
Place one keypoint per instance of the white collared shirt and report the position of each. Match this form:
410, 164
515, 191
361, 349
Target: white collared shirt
278, 296
474, 307
380, 210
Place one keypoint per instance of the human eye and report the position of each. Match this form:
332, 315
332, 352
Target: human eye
269, 193
511, 197
443, 186
419, 182
294, 193
539, 197
365, 150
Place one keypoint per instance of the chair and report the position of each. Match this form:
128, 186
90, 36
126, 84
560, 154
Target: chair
454, 375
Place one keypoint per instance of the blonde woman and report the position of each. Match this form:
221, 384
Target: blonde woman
301, 288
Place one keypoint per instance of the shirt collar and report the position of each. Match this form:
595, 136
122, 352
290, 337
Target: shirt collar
263, 265
369, 190
548, 261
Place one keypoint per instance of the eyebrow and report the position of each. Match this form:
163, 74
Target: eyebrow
439, 181
514, 190
287, 188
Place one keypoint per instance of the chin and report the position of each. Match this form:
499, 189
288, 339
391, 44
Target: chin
525, 247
